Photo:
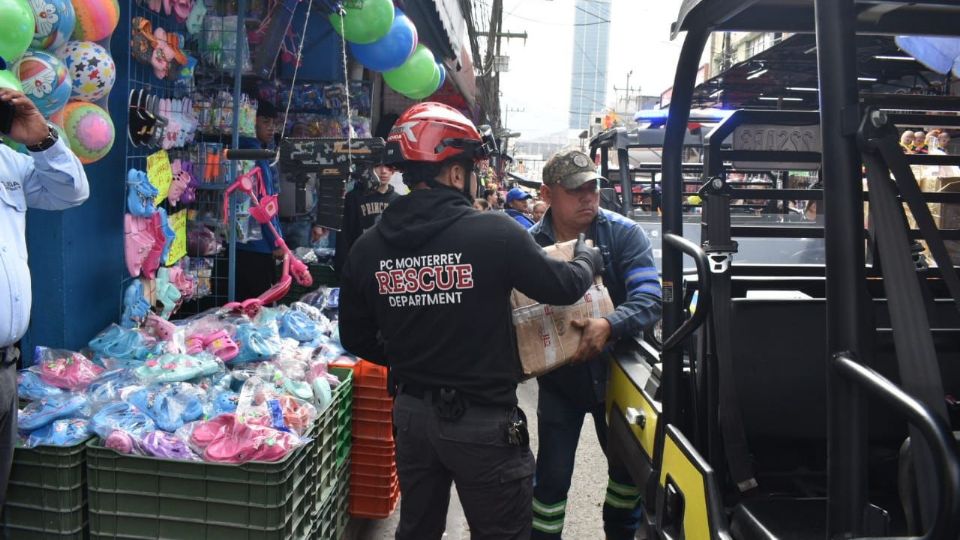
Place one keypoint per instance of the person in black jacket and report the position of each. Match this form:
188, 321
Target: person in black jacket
362, 208
427, 293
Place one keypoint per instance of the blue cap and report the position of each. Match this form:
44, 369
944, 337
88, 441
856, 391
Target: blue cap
517, 194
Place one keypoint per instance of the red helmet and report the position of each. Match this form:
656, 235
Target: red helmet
434, 132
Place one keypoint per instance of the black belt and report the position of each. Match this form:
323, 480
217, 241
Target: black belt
418, 391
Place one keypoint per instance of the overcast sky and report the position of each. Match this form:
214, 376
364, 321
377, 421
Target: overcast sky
539, 78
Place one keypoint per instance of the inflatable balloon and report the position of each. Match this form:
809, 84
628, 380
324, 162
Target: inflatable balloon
443, 74
55, 21
45, 80
96, 19
9, 80
390, 51
14, 145
16, 29
417, 75
431, 86
89, 130
91, 68
364, 21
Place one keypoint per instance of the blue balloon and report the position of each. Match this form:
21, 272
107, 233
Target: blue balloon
390, 51
443, 74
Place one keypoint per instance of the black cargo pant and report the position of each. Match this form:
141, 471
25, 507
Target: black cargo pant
494, 480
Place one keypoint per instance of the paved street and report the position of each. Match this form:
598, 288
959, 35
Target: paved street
585, 500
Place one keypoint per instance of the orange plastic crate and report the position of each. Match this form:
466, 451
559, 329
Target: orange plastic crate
370, 490
373, 430
378, 507
378, 448
372, 402
373, 415
362, 457
372, 471
368, 374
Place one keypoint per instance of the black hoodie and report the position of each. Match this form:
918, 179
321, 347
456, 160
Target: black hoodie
427, 292
362, 209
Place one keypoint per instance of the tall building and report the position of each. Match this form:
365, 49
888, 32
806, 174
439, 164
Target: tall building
591, 39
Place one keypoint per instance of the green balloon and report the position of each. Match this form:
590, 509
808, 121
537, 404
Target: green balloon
18, 28
428, 89
9, 80
364, 21
415, 75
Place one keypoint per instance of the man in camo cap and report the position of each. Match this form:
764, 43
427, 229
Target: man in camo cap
571, 188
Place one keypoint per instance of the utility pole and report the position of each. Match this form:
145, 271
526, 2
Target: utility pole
506, 114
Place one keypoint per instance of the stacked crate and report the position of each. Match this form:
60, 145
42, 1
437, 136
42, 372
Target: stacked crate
374, 488
47, 495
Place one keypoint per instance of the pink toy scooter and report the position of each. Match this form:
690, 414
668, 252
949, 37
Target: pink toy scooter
263, 210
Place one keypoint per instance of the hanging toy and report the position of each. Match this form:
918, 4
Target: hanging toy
96, 19
17, 20
55, 21
45, 80
264, 210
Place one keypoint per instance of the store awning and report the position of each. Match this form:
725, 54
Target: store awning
441, 27
785, 75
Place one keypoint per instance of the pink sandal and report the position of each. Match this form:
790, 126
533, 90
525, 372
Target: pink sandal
221, 345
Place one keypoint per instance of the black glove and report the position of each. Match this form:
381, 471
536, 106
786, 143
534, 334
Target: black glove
588, 254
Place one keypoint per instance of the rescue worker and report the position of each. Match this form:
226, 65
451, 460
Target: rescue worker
426, 292
570, 187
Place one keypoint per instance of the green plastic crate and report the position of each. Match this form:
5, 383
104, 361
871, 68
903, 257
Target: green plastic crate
331, 521
46, 497
331, 429
143, 497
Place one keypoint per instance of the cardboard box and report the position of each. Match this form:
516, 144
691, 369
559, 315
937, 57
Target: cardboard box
546, 338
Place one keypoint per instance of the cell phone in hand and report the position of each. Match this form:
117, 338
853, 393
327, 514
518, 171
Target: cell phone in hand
7, 111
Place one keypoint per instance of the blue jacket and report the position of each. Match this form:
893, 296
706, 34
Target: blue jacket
268, 243
633, 281
520, 218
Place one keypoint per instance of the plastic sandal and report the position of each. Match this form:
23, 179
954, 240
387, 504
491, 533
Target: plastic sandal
167, 446
72, 371
120, 441
221, 345
123, 417
168, 368
155, 255
135, 306
31, 387
63, 432
43, 412
138, 241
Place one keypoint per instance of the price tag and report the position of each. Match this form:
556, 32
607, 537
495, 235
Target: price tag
160, 174
178, 222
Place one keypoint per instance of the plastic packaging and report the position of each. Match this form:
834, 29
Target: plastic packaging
31, 387
120, 416
120, 343
38, 414
165, 445
170, 406
257, 342
65, 369
178, 368
109, 387
62, 432
225, 439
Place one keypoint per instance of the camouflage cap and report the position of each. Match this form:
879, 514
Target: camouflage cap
569, 168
